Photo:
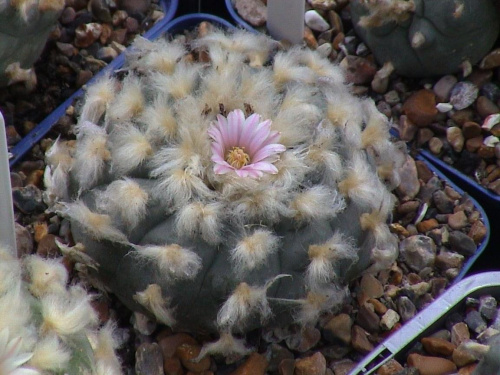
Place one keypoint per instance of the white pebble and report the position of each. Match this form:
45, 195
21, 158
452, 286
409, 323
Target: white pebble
325, 49
314, 21
444, 107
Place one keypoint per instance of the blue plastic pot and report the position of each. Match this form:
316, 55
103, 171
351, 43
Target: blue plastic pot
169, 8
429, 319
190, 20
461, 179
482, 246
236, 17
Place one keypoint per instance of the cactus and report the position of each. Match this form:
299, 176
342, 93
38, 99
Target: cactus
421, 38
24, 29
243, 189
48, 327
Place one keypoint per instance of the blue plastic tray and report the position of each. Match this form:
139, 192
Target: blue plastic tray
35, 135
484, 218
462, 179
429, 319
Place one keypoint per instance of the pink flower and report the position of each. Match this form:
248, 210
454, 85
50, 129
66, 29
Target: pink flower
245, 146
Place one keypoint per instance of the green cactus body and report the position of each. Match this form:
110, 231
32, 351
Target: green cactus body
176, 232
426, 37
48, 327
24, 29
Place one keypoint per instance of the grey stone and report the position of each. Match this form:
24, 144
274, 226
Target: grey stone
303, 340
418, 252
149, 360
443, 202
475, 321
490, 364
406, 308
368, 319
443, 86
409, 186
462, 243
24, 241
252, 11
28, 199
315, 22
488, 307
463, 94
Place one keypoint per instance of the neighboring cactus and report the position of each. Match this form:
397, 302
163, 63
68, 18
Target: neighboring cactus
47, 327
222, 195
427, 37
25, 26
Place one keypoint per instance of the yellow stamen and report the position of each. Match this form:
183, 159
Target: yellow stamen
237, 157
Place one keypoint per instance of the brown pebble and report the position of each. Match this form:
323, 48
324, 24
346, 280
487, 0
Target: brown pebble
486, 152
360, 340
172, 366
47, 246
420, 107
478, 231
459, 333
40, 230
106, 32
390, 368
286, 366
428, 365
435, 145
83, 77
458, 220
255, 364
119, 36
339, 38
424, 135
86, 34
340, 327
455, 138
309, 38
473, 144
486, 107
342, 366
491, 60
467, 370
101, 307
461, 116
148, 360
312, 365
188, 352
462, 357
449, 259
170, 343
437, 346
371, 286
471, 129
378, 306
427, 225
358, 70
407, 129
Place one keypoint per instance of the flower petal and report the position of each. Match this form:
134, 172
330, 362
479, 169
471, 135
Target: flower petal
260, 137
234, 121
249, 127
266, 151
222, 168
222, 126
265, 166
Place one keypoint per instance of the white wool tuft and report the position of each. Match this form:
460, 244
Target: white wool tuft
287, 70
317, 302
50, 354
129, 102
182, 186
151, 298
130, 148
172, 260
244, 301
200, 218
99, 96
317, 203
321, 66
59, 154
179, 84
98, 226
163, 57
56, 184
360, 184
253, 250
267, 205
104, 345
226, 345
91, 154
66, 314
112, 201
323, 257
159, 120
10, 271
296, 124
46, 276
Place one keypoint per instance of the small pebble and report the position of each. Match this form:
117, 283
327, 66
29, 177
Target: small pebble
255, 364
418, 252
420, 107
252, 11
491, 60
463, 94
427, 365
148, 360
312, 365
443, 86
315, 22
462, 243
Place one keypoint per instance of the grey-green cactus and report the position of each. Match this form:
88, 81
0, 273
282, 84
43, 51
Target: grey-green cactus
48, 327
222, 195
427, 37
25, 26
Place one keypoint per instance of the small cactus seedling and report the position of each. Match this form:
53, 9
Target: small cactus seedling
24, 28
427, 37
230, 192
